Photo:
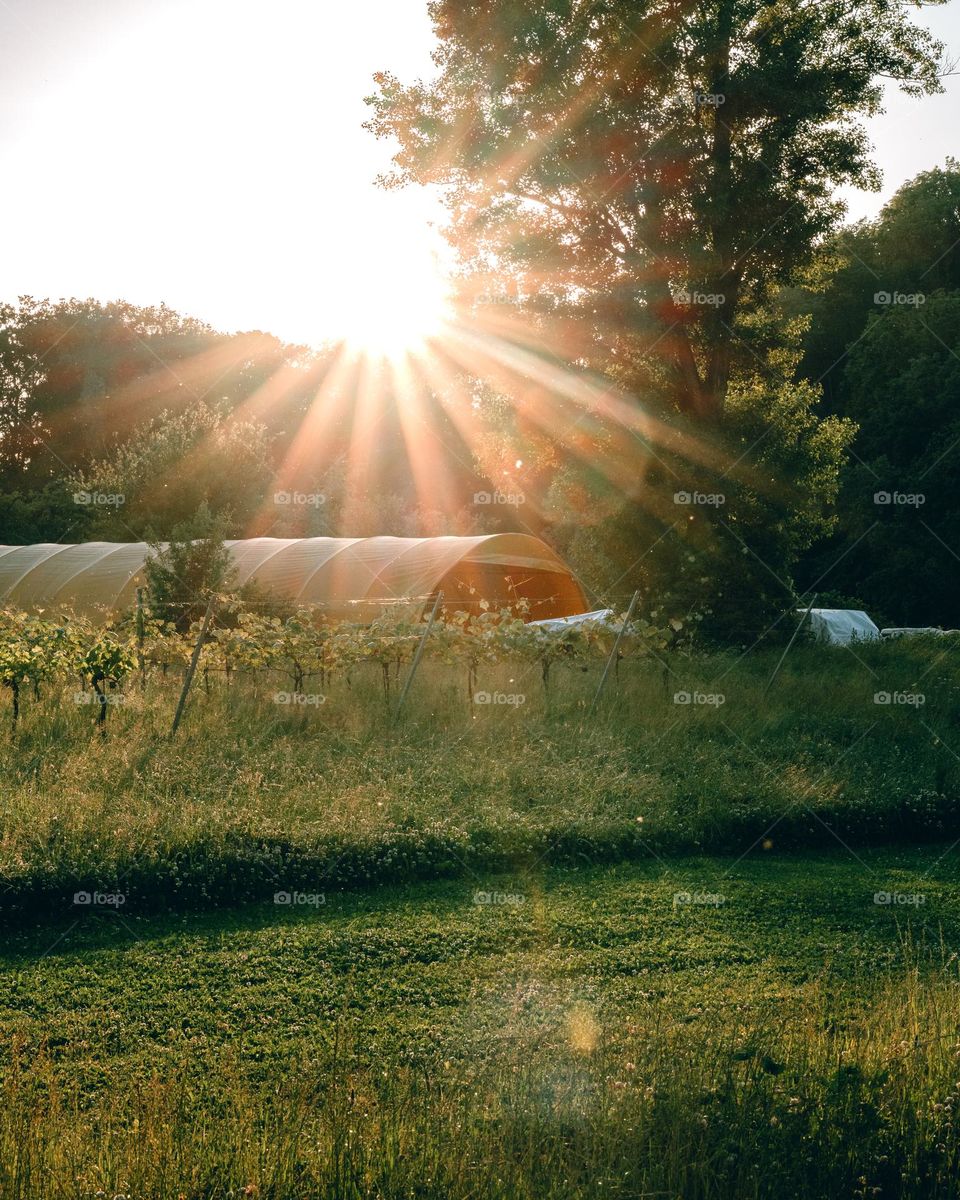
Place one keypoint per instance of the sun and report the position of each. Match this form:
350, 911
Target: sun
392, 306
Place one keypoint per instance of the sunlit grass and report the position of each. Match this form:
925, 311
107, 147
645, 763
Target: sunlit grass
343, 791
796, 1040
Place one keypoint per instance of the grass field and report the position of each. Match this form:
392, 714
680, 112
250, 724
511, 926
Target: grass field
255, 796
780, 1034
501, 950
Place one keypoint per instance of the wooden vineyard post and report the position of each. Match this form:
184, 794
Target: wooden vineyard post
418, 655
613, 653
191, 670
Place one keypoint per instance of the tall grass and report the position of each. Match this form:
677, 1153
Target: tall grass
342, 792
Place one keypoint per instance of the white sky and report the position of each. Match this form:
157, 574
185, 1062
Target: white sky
209, 153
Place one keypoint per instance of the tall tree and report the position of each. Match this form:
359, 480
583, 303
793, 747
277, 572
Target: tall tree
625, 159
897, 547
171, 467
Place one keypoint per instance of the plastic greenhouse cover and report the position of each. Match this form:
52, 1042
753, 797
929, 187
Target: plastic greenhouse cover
599, 616
841, 626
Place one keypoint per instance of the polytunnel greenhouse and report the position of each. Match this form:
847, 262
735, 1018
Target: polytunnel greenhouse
348, 578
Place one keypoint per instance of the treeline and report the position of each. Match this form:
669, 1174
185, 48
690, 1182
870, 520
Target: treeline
884, 343
119, 423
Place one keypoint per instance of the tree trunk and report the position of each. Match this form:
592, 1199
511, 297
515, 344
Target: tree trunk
102, 700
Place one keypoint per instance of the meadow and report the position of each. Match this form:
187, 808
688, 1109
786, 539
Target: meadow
699, 942
257, 794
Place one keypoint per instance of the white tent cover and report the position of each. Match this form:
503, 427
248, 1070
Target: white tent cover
841, 626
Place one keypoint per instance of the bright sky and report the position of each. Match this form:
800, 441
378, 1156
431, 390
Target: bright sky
209, 153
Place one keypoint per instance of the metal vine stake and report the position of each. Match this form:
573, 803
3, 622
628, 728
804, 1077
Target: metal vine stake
616, 646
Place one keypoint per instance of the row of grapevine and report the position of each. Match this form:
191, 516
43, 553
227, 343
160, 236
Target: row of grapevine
36, 649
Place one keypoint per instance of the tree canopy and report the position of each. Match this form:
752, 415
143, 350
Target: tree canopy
620, 160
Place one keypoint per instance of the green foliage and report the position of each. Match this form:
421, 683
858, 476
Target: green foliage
716, 542
35, 649
784, 1024
106, 660
912, 247
78, 376
885, 332
630, 187
505, 767
602, 158
31, 650
174, 464
101, 397
48, 513
185, 572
